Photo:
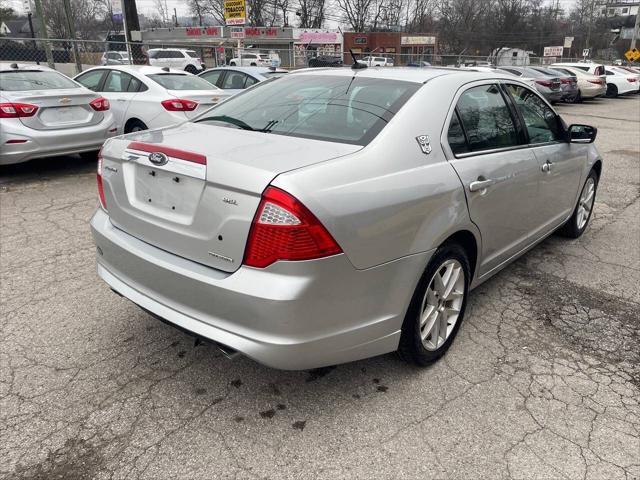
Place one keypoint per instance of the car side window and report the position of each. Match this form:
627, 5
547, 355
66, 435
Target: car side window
486, 119
457, 140
540, 120
117, 82
234, 80
92, 79
136, 85
250, 81
213, 76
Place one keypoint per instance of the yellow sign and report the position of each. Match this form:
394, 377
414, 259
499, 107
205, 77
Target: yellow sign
633, 55
235, 12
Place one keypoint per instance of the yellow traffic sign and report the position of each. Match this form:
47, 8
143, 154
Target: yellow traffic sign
632, 55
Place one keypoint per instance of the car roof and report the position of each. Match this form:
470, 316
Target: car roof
179, 49
140, 69
249, 70
7, 66
407, 74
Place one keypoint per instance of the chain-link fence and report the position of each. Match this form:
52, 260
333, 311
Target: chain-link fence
70, 56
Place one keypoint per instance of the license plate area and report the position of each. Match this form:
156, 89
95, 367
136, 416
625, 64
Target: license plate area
53, 116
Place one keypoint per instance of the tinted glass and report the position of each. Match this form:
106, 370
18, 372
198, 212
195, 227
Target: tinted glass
173, 54
192, 54
586, 69
274, 74
332, 108
234, 80
212, 77
512, 71
91, 80
177, 81
599, 70
153, 53
457, 142
19, 80
117, 82
250, 81
136, 85
486, 118
541, 122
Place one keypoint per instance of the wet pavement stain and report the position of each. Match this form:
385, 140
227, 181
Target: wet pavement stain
281, 406
268, 413
236, 383
318, 373
299, 425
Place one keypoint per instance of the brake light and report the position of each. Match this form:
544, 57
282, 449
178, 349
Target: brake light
565, 80
179, 105
284, 229
100, 104
544, 83
17, 110
631, 79
103, 202
597, 82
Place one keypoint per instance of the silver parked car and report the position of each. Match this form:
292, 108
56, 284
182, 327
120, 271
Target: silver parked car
549, 87
45, 114
328, 216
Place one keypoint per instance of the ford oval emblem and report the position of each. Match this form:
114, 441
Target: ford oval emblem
158, 158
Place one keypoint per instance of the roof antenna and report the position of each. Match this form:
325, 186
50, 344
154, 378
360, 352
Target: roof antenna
356, 64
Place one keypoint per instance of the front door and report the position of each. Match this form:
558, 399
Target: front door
560, 162
499, 173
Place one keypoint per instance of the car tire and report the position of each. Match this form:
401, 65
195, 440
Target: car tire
232, 64
577, 224
612, 91
135, 126
576, 99
254, 64
191, 69
91, 155
426, 332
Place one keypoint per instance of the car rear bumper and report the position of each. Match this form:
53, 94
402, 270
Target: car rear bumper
291, 315
49, 143
592, 90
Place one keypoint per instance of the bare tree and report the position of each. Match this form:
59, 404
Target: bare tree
163, 11
357, 13
311, 13
87, 16
196, 7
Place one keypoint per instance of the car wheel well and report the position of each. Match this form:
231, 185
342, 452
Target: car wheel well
597, 167
131, 122
467, 241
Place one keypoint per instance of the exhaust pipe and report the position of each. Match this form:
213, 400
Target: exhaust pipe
228, 352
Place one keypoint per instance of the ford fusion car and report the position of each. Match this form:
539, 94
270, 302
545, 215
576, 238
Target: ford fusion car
335, 214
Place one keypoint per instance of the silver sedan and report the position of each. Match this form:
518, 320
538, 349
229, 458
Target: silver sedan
44, 114
337, 214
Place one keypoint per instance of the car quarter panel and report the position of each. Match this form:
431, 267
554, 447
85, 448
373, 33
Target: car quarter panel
390, 199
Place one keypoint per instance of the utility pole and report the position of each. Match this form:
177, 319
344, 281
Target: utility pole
71, 29
175, 17
634, 37
43, 33
131, 23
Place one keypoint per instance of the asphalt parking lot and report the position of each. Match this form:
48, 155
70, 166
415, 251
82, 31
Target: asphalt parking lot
543, 380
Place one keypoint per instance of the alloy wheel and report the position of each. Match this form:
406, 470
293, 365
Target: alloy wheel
441, 304
585, 203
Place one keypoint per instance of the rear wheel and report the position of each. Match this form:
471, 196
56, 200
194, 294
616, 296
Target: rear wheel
92, 155
612, 90
254, 64
135, 126
578, 222
233, 64
437, 306
190, 69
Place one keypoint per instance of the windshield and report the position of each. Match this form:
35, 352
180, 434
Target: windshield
18, 80
178, 81
332, 108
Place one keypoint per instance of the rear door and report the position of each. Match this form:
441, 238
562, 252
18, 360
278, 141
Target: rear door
500, 174
560, 162
120, 89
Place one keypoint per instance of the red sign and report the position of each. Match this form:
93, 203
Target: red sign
197, 31
261, 32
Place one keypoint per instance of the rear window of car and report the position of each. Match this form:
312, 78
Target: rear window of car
264, 56
19, 80
271, 74
192, 54
332, 108
177, 81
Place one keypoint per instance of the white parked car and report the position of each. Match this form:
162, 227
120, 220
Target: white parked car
596, 69
145, 97
620, 82
115, 58
44, 114
187, 60
235, 79
589, 85
249, 59
377, 61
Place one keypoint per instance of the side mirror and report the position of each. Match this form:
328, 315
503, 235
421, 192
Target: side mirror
582, 134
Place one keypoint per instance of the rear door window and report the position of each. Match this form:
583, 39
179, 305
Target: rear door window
540, 120
117, 82
486, 119
250, 81
177, 81
457, 140
213, 76
234, 81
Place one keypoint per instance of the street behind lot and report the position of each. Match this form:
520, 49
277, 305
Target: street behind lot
543, 380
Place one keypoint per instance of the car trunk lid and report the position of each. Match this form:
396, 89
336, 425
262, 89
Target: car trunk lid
58, 109
200, 196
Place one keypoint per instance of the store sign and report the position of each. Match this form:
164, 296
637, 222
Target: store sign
319, 37
203, 32
260, 32
116, 10
237, 32
568, 42
417, 40
553, 51
360, 40
235, 12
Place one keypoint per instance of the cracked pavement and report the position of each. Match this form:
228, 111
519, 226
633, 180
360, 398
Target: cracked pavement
543, 380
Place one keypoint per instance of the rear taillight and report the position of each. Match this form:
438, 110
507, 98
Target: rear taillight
284, 229
565, 80
16, 110
597, 82
631, 80
179, 105
103, 202
544, 83
100, 104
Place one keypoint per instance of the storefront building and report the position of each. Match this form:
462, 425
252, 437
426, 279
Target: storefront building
402, 48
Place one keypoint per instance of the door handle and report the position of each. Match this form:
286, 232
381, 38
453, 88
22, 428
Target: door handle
547, 166
480, 185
